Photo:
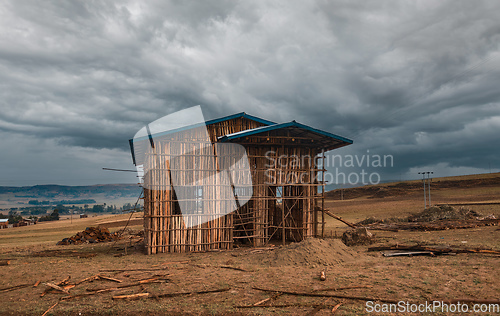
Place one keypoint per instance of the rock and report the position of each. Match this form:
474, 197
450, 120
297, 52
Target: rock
358, 236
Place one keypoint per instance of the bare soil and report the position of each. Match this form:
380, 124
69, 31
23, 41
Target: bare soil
237, 273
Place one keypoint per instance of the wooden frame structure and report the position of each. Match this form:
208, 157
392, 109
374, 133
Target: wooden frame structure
286, 194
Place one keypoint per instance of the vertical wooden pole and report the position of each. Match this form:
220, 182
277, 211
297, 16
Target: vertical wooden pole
323, 195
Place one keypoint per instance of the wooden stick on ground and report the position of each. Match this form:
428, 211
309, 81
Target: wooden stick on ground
234, 268
50, 308
131, 296
360, 298
334, 309
327, 212
15, 287
193, 292
268, 299
4, 262
56, 287
126, 270
287, 305
344, 288
109, 278
91, 278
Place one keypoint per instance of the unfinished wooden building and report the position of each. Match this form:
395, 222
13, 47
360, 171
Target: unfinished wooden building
282, 202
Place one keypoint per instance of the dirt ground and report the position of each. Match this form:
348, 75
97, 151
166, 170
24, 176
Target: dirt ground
230, 282
294, 267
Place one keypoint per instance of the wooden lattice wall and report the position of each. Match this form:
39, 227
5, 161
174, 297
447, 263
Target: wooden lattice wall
282, 207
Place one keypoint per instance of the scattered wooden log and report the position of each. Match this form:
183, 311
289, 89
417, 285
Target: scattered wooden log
273, 297
15, 287
327, 212
432, 226
131, 296
56, 287
4, 262
193, 292
435, 250
334, 309
344, 288
138, 283
351, 297
110, 279
234, 268
127, 270
91, 278
37, 283
287, 305
50, 308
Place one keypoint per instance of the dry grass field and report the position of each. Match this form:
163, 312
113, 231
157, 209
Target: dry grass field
181, 284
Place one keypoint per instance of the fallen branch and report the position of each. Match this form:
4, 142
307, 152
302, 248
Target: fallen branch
50, 308
131, 296
344, 288
360, 298
4, 262
56, 287
234, 268
91, 278
334, 309
126, 270
433, 249
15, 287
288, 305
193, 292
268, 299
109, 279
140, 282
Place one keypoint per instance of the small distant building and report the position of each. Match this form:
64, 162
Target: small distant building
4, 223
83, 216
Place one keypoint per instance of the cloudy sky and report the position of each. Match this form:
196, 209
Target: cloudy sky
418, 80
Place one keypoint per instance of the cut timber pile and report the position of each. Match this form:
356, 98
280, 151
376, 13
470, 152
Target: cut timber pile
90, 235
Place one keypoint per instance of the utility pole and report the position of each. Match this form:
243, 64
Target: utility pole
429, 179
424, 179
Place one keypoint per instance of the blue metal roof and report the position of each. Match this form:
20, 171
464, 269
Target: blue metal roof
238, 115
210, 122
263, 129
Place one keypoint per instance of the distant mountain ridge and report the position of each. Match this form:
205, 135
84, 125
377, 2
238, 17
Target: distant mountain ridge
49, 191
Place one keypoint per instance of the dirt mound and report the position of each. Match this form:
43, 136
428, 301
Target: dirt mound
443, 212
432, 214
90, 235
312, 252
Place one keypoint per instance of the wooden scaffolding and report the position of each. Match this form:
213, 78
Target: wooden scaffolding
286, 192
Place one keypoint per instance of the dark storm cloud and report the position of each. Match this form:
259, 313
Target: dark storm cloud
415, 79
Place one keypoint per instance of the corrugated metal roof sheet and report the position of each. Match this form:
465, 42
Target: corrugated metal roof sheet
264, 129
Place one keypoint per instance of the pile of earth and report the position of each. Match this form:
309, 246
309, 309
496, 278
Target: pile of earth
311, 252
431, 214
90, 235
443, 212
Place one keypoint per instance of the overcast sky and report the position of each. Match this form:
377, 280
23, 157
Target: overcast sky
418, 80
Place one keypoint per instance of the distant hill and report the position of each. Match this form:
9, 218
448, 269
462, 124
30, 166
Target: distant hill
50, 191
409, 187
